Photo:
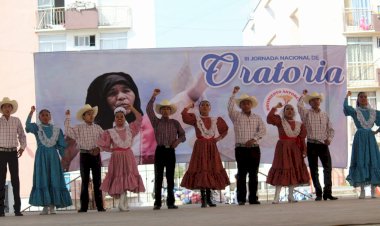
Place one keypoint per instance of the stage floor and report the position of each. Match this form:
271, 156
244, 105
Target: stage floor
345, 211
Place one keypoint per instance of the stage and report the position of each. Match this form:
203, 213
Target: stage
345, 211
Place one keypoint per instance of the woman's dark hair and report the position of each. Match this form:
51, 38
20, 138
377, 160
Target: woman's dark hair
97, 96
42, 111
357, 99
204, 101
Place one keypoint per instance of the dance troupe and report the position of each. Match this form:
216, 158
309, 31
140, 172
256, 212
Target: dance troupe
205, 171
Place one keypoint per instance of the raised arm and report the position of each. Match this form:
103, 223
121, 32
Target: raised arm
69, 131
188, 118
301, 106
273, 118
149, 108
232, 113
347, 109
29, 126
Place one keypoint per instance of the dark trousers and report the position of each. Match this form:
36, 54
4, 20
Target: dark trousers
11, 159
321, 151
164, 157
248, 161
89, 162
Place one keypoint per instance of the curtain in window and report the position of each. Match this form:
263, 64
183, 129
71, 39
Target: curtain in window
360, 59
361, 13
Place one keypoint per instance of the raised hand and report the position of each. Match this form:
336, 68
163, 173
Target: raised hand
156, 92
236, 89
304, 92
191, 105
32, 110
67, 113
279, 105
348, 94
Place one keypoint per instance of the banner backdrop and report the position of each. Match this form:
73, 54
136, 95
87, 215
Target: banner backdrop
66, 80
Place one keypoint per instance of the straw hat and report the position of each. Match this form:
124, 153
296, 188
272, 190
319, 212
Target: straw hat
165, 103
313, 95
247, 97
84, 109
6, 100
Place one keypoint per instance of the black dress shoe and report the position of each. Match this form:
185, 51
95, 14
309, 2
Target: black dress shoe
19, 214
101, 210
155, 207
210, 204
256, 202
2, 214
172, 207
241, 203
319, 198
325, 197
82, 211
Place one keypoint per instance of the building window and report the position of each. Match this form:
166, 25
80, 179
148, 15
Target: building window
360, 63
86, 40
371, 96
358, 14
52, 43
113, 40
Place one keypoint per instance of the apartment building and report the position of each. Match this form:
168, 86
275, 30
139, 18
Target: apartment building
355, 23
63, 25
69, 25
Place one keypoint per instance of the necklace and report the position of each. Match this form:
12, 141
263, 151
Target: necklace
48, 141
366, 124
288, 129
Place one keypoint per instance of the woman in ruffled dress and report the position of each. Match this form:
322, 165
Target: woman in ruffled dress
49, 187
288, 167
122, 173
365, 157
205, 170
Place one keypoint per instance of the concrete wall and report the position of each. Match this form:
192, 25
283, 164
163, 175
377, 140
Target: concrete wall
18, 41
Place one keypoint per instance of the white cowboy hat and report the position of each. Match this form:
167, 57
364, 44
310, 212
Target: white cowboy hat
165, 103
6, 100
84, 109
247, 97
313, 95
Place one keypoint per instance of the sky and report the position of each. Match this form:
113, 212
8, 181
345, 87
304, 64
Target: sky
191, 23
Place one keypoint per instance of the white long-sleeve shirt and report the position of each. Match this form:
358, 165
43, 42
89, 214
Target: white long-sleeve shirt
246, 127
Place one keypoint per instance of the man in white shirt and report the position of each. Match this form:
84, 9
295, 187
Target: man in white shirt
11, 134
86, 135
319, 136
249, 129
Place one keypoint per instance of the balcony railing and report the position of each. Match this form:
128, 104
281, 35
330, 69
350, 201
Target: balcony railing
358, 20
50, 18
108, 16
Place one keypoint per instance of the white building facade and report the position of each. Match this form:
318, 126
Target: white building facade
63, 25
355, 23
68, 25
